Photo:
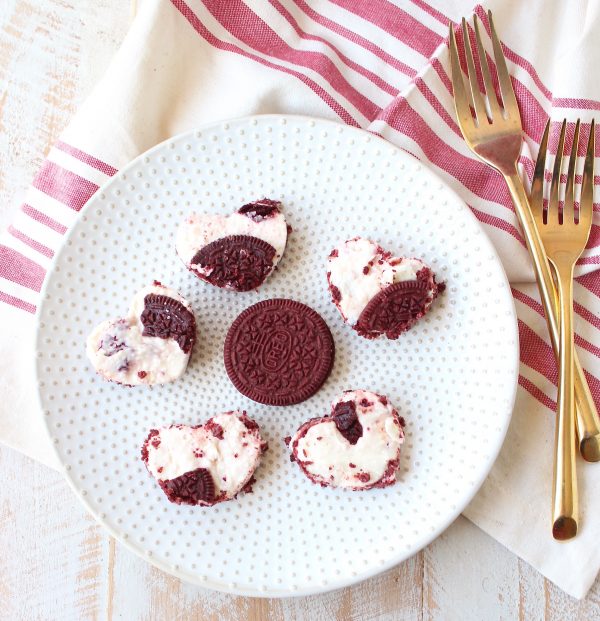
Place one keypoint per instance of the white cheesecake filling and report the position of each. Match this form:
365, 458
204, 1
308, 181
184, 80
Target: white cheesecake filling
328, 456
231, 461
119, 352
359, 271
199, 230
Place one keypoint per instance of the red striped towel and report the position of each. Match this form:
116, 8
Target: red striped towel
375, 64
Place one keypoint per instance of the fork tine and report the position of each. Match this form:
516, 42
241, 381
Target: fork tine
537, 185
478, 103
586, 202
485, 70
461, 101
508, 94
553, 212
569, 204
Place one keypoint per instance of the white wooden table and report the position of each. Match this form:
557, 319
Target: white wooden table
55, 562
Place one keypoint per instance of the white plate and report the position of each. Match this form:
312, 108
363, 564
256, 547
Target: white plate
453, 376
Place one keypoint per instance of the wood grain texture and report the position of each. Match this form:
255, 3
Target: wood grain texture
51, 54
56, 563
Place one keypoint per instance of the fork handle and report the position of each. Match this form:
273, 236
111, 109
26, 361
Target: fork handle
588, 422
564, 487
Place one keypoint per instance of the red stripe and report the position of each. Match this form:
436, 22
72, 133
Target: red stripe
585, 344
16, 302
594, 239
594, 385
64, 185
19, 269
528, 301
197, 25
374, 78
32, 243
595, 260
249, 28
42, 218
536, 353
397, 22
579, 340
586, 314
498, 223
528, 166
444, 77
436, 105
431, 11
534, 391
537, 307
591, 282
355, 38
583, 104
86, 158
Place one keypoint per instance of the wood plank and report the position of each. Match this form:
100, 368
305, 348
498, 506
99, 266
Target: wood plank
531, 592
561, 607
51, 54
395, 594
145, 593
468, 576
52, 563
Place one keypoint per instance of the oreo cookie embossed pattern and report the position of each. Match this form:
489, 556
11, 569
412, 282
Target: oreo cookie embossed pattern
278, 352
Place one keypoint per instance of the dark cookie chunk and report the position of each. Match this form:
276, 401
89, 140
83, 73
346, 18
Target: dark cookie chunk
168, 319
214, 428
239, 262
346, 421
260, 210
394, 310
156, 443
278, 352
190, 488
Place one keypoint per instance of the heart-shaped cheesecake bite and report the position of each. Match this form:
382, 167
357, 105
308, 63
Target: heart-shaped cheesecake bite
152, 345
357, 447
205, 464
237, 251
376, 293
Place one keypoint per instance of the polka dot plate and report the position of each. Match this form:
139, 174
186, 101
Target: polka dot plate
453, 376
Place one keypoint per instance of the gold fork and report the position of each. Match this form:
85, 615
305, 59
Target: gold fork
564, 242
495, 135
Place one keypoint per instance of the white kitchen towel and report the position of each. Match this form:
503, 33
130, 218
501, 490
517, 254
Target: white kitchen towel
375, 64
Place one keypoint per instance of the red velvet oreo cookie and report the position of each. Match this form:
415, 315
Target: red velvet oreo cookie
395, 309
241, 262
165, 317
279, 352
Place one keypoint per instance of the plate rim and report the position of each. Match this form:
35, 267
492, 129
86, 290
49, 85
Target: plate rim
228, 587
